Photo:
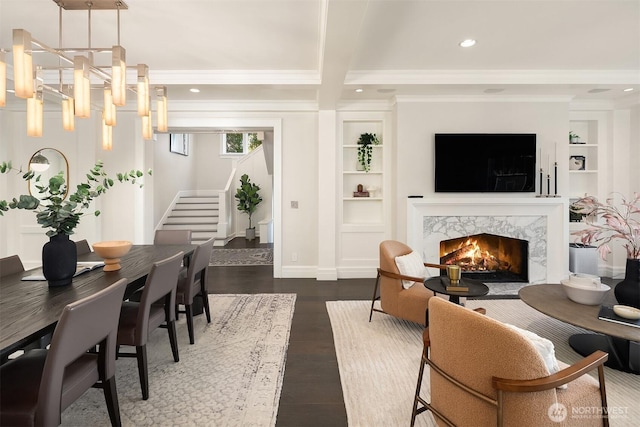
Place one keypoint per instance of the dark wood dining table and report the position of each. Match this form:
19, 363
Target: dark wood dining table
30, 309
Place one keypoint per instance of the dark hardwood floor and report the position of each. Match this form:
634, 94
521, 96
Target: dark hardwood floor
311, 392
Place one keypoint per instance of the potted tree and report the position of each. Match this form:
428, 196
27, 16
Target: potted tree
248, 201
365, 150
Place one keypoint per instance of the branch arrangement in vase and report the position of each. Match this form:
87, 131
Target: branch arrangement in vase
365, 150
53, 211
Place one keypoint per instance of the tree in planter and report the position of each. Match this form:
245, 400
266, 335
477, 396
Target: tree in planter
365, 150
248, 198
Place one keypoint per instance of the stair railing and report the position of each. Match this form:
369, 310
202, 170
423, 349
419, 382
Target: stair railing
226, 209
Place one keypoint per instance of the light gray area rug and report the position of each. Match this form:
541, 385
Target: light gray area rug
239, 257
379, 362
231, 376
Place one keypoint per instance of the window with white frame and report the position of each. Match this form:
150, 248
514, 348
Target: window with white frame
239, 144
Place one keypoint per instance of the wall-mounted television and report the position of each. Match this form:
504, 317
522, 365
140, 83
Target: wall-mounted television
485, 162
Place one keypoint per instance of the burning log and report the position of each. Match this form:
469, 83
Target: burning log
458, 255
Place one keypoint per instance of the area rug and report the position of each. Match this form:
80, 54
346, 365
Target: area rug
236, 257
379, 362
231, 376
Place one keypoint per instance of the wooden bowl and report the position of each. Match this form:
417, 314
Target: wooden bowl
111, 252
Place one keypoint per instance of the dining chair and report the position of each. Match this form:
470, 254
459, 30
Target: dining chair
10, 265
39, 385
13, 265
82, 247
194, 284
172, 237
156, 307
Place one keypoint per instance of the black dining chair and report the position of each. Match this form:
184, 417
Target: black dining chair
194, 284
35, 388
156, 307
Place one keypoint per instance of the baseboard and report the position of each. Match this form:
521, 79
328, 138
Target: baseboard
357, 272
299, 272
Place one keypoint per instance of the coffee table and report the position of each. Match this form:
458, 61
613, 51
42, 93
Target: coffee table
622, 342
476, 288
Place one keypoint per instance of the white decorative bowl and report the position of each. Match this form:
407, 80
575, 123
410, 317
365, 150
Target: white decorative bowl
626, 312
583, 279
587, 295
111, 251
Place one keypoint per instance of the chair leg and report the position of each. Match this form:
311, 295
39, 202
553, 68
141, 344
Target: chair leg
111, 397
373, 299
173, 340
141, 355
189, 314
205, 302
417, 395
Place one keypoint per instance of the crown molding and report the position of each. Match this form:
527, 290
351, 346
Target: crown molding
234, 105
483, 98
235, 77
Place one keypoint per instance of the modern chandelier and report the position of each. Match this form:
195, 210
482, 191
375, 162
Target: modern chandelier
76, 74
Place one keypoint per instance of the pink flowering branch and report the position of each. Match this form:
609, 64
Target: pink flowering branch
609, 222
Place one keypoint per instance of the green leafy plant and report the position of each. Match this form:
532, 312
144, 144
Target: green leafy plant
365, 149
247, 196
53, 211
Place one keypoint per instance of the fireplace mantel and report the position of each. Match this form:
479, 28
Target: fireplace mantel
544, 220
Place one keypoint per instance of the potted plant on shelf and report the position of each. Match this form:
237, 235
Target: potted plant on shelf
248, 201
620, 219
574, 138
60, 215
365, 150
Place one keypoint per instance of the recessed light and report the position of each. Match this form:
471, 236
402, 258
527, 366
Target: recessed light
359, 90
467, 43
194, 90
629, 89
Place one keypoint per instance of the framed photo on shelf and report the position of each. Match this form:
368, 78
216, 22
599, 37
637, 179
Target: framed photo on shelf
577, 163
179, 143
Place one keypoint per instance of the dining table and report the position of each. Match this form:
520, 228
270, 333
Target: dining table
30, 309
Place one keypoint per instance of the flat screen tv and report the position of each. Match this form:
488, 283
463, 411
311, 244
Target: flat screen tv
485, 162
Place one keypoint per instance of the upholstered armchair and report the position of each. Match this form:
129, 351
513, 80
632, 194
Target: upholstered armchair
396, 299
483, 372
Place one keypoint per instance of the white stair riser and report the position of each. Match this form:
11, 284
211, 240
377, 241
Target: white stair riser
203, 213
192, 220
198, 200
192, 227
196, 206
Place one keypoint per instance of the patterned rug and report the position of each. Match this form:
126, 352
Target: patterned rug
231, 376
235, 257
379, 360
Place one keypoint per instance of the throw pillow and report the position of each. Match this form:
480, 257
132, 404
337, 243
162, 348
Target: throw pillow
545, 348
412, 265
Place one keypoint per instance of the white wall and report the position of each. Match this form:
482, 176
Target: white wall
417, 122
212, 171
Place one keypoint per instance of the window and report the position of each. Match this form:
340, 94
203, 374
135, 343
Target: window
240, 143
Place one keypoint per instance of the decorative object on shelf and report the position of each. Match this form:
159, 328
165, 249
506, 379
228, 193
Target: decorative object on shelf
577, 163
77, 68
365, 150
372, 190
574, 138
621, 221
61, 216
248, 201
575, 216
111, 252
360, 192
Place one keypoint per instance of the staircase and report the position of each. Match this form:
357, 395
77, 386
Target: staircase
199, 214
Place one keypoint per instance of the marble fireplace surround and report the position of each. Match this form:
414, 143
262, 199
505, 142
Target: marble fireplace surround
544, 222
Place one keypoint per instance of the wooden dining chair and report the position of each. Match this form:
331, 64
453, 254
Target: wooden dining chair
156, 307
194, 284
39, 385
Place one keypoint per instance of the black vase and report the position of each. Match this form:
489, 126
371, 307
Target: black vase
59, 260
627, 292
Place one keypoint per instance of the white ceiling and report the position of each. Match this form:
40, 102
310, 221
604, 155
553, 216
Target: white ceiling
320, 51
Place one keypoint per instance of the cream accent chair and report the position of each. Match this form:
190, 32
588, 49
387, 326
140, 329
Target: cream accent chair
408, 304
484, 373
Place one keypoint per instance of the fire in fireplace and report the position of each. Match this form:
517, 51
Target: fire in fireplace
488, 257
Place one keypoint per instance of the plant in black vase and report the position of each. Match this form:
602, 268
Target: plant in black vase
61, 215
365, 149
248, 201
617, 218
